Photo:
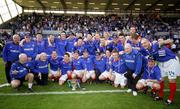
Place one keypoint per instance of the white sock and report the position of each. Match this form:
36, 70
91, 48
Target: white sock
30, 85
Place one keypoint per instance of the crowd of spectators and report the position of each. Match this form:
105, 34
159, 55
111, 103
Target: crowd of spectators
147, 25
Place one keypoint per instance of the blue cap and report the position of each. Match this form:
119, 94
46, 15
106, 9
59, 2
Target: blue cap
70, 33
114, 36
151, 58
85, 50
27, 35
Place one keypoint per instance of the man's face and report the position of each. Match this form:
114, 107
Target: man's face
66, 58
39, 37
132, 30
23, 59
115, 40
128, 49
151, 63
16, 39
102, 41
135, 41
71, 36
89, 37
80, 41
106, 35
76, 55
115, 55
54, 55
98, 57
108, 53
63, 36
85, 54
43, 57
145, 44
27, 38
51, 38
122, 39
97, 36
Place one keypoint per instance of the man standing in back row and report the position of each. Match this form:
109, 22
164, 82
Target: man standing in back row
10, 54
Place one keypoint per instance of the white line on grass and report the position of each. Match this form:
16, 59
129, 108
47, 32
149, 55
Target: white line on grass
4, 85
68, 92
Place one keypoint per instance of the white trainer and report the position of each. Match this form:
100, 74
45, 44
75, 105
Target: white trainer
134, 93
8, 84
129, 90
73, 88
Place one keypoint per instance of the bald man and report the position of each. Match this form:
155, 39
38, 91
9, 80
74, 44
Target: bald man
41, 69
133, 61
19, 73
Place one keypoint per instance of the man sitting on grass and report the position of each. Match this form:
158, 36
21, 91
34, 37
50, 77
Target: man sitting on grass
19, 73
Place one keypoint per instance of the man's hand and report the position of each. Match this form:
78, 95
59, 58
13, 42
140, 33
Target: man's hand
39, 75
21, 43
29, 58
121, 52
148, 80
134, 75
4, 63
15, 72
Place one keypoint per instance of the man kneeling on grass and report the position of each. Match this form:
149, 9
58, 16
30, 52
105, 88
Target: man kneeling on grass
54, 71
66, 68
151, 78
41, 69
118, 70
19, 73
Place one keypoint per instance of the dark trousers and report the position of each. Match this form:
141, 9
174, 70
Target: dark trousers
131, 82
7, 71
98, 73
43, 81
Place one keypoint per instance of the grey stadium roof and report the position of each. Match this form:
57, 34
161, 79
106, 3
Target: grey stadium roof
103, 5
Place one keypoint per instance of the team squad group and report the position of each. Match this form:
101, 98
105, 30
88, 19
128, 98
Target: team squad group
131, 61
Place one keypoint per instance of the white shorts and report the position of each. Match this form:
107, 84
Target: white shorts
106, 74
90, 74
78, 72
143, 81
113, 73
170, 68
178, 69
120, 79
53, 72
63, 77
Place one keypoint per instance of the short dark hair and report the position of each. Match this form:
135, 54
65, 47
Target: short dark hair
115, 51
134, 36
76, 51
133, 26
67, 54
121, 34
80, 38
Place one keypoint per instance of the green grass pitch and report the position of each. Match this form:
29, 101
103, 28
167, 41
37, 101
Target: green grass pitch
114, 100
